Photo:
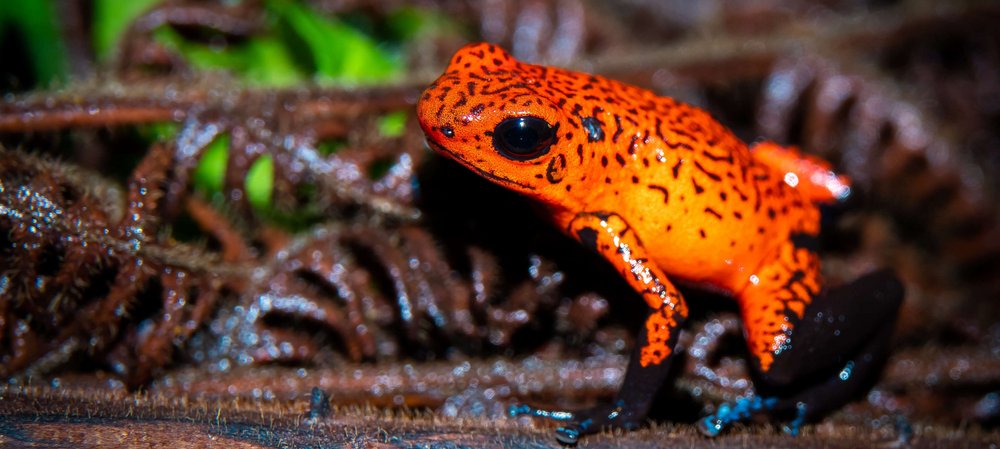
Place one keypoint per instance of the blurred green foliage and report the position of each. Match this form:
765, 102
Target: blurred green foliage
111, 19
260, 183
297, 45
33, 24
392, 124
211, 170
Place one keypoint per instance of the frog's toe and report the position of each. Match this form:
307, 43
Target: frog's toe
711, 426
516, 410
578, 424
727, 414
904, 434
568, 435
794, 426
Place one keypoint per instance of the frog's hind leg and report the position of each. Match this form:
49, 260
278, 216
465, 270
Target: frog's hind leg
810, 175
837, 348
812, 350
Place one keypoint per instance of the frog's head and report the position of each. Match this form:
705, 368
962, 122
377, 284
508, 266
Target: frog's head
503, 119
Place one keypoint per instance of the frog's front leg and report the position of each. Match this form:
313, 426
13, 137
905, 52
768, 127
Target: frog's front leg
610, 235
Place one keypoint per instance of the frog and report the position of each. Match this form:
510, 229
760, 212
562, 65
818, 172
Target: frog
668, 196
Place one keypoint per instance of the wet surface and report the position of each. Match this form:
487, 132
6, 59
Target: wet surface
408, 282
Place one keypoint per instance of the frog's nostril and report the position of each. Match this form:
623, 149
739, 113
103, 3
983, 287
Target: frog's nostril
447, 131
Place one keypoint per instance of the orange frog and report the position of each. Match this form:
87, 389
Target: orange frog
666, 194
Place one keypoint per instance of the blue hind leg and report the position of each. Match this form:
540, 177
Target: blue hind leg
836, 353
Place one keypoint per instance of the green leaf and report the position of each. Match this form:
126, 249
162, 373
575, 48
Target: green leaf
409, 23
392, 124
36, 21
406, 23
300, 44
158, 132
269, 62
338, 52
260, 183
379, 167
210, 173
331, 146
111, 19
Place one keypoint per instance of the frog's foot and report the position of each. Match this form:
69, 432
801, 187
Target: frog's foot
613, 416
792, 427
904, 434
527, 410
728, 414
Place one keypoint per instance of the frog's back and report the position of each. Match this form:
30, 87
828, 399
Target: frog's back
708, 210
697, 196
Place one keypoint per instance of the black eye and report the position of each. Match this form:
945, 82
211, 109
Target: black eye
522, 138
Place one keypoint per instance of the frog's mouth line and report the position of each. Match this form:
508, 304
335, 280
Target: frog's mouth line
488, 175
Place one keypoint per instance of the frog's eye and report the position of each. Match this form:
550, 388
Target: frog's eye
523, 138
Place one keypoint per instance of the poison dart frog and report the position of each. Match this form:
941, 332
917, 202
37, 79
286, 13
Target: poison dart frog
666, 194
